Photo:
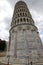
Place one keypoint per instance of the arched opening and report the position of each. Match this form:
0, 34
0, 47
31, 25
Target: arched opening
23, 14
17, 20
20, 14
24, 19
27, 20
21, 19
20, 9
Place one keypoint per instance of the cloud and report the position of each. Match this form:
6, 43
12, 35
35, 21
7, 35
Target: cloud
35, 4
38, 19
5, 15
12, 2
41, 36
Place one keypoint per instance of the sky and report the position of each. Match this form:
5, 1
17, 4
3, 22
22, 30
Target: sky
6, 13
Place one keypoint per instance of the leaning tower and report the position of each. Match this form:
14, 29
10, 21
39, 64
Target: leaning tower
24, 41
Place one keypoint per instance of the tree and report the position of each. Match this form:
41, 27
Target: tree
2, 45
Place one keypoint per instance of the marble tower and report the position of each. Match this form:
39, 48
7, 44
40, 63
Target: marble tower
25, 43
25, 46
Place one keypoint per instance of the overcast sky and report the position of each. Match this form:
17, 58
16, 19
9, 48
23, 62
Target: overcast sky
6, 13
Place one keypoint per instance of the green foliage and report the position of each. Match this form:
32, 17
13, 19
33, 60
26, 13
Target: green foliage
2, 45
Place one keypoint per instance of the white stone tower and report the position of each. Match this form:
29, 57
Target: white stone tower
25, 46
25, 43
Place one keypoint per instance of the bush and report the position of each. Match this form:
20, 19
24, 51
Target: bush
2, 45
